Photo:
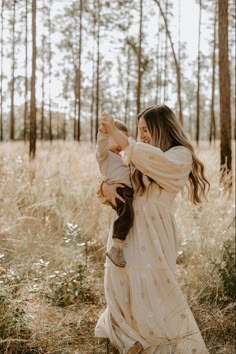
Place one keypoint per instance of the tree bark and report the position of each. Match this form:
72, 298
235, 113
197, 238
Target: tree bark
64, 125
50, 72
79, 70
92, 136
212, 133
75, 125
139, 83
32, 147
158, 56
179, 47
12, 112
198, 75
98, 69
225, 111
1, 118
92, 101
26, 71
166, 56
127, 49
127, 85
43, 89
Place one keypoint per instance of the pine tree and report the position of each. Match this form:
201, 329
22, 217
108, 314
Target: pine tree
32, 146
1, 83
198, 75
225, 111
12, 111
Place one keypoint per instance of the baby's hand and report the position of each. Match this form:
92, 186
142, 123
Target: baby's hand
107, 117
108, 120
103, 128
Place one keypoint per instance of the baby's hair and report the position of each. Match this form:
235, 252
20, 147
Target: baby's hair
121, 125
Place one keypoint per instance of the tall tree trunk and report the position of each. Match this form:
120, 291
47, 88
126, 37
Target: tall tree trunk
190, 122
76, 92
179, 48
26, 71
58, 122
98, 69
79, 68
64, 124
75, 125
139, 83
166, 56
32, 146
127, 85
43, 89
212, 133
225, 111
127, 48
93, 76
1, 109
198, 75
50, 73
92, 102
177, 68
12, 112
162, 62
158, 56
179, 32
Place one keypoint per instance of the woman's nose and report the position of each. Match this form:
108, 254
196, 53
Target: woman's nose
142, 135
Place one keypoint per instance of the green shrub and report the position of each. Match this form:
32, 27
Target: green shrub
69, 286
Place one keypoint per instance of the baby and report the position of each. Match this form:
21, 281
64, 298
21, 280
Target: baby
114, 170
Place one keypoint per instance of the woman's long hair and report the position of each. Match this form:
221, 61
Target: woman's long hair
166, 132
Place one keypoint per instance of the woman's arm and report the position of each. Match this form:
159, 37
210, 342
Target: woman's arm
169, 169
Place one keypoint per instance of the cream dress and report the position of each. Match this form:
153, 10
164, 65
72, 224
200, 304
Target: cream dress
144, 301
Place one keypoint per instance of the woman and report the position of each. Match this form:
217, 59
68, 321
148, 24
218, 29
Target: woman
146, 310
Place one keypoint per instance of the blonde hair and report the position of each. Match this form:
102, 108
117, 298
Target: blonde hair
166, 132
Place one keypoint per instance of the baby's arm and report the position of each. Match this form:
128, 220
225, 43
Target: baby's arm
102, 147
103, 128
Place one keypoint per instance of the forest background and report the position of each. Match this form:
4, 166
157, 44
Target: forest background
62, 64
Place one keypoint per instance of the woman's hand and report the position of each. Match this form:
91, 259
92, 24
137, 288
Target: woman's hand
110, 193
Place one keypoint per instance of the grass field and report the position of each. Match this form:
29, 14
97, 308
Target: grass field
53, 234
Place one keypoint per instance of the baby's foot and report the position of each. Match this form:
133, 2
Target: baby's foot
116, 255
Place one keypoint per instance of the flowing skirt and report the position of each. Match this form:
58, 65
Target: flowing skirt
144, 301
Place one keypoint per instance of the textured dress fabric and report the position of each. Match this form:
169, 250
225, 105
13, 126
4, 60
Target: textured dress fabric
144, 301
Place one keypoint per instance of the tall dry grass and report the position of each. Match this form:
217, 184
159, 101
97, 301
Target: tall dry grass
53, 233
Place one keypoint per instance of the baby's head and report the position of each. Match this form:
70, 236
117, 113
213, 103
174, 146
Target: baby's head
113, 146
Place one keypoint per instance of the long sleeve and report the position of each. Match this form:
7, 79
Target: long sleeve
169, 169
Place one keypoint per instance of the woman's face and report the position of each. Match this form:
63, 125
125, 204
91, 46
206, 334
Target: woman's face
144, 135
